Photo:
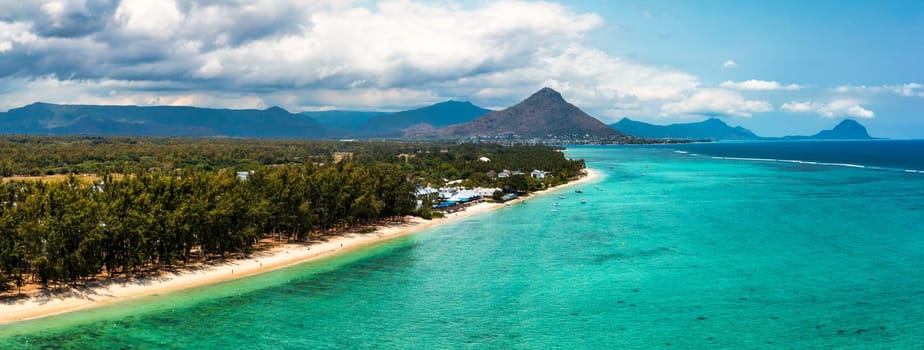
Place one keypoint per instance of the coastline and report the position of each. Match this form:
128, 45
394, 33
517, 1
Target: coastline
281, 256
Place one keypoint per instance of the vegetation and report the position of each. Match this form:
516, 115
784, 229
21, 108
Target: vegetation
162, 202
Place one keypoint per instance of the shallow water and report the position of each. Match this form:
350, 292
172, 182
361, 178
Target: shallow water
696, 253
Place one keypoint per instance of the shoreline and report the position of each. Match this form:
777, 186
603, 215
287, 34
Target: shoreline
281, 256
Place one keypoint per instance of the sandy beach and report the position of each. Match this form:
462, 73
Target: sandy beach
280, 256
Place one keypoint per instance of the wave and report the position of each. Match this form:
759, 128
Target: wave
809, 162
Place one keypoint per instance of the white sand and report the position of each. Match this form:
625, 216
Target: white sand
282, 255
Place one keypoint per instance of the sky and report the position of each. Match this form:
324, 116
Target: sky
776, 67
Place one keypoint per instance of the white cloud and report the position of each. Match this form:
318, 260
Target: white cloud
16, 33
715, 101
158, 19
58, 10
211, 68
317, 53
118, 92
835, 109
906, 90
405, 43
729, 65
759, 85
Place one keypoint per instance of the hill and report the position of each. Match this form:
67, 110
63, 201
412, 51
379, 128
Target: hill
709, 129
52, 119
543, 114
848, 129
343, 120
433, 116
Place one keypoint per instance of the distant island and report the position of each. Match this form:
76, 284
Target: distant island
716, 130
709, 129
848, 129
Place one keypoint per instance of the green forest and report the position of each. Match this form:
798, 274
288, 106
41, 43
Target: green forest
163, 202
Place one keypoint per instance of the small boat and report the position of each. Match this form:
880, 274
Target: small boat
561, 196
579, 191
556, 204
583, 201
554, 210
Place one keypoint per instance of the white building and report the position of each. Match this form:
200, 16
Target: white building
539, 174
485, 191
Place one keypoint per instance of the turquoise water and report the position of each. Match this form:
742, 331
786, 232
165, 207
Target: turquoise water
697, 253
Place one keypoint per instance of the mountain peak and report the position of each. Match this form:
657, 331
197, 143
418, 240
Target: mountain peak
543, 113
276, 109
546, 93
846, 129
848, 123
451, 103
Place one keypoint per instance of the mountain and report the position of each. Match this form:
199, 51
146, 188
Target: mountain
343, 120
45, 118
848, 129
438, 115
709, 129
542, 114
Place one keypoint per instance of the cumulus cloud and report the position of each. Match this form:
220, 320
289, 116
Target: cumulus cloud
158, 19
716, 102
729, 65
304, 54
758, 85
835, 109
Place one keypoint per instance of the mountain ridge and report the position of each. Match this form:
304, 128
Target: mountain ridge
543, 114
436, 115
709, 129
183, 121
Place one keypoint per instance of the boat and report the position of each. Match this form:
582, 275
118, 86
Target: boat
579, 191
561, 196
556, 204
583, 201
554, 210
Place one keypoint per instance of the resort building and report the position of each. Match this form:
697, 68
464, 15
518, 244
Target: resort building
539, 174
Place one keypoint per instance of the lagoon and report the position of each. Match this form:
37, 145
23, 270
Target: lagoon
670, 250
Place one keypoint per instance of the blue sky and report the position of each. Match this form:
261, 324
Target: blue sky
819, 45
776, 67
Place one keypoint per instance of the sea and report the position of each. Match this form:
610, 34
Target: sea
728, 245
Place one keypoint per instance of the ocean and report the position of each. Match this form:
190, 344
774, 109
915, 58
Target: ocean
808, 245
